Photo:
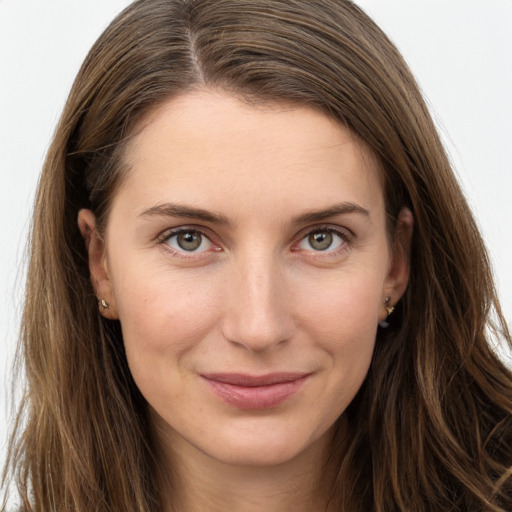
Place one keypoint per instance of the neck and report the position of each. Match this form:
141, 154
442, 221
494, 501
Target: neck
203, 484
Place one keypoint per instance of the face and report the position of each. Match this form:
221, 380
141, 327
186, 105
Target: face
247, 259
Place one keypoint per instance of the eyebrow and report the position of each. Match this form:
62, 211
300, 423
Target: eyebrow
332, 211
180, 210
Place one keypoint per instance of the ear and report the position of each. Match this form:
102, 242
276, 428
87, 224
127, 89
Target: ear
98, 267
399, 270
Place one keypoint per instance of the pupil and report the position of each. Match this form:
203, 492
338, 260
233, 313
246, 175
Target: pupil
320, 241
189, 241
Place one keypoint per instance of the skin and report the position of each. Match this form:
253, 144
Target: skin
259, 295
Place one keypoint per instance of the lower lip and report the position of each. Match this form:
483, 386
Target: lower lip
256, 397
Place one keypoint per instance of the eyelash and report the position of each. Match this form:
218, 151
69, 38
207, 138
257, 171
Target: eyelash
345, 235
164, 238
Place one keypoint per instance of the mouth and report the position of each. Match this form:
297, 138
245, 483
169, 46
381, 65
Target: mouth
255, 392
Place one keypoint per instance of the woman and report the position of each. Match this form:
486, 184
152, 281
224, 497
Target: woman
255, 283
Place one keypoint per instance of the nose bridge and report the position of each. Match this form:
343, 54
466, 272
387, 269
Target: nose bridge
258, 315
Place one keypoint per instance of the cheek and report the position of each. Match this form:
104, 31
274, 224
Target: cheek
346, 305
163, 321
343, 321
162, 316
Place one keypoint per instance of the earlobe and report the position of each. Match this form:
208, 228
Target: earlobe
398, 276
98, 268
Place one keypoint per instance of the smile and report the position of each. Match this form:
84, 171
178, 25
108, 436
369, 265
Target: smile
255, 392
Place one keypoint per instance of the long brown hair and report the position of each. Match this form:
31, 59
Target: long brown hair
431, 427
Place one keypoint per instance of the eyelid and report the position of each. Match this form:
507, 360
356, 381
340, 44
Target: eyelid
344, 233
165, 235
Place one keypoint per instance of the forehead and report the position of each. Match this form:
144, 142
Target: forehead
213, 142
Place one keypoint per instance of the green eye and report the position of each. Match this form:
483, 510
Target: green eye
323, 240
320, 241
189, 241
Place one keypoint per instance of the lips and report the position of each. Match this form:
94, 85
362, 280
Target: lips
255, 392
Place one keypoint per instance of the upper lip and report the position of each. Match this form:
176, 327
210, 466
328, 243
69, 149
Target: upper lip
241, 379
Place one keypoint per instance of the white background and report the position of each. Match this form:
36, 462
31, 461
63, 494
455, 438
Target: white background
460, 51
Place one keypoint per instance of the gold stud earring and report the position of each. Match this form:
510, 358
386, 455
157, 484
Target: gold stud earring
104, 304
389, 308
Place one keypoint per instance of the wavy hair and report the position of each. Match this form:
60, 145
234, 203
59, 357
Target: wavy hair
431, 427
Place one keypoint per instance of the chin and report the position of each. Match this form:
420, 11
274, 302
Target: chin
257, 455
264, 446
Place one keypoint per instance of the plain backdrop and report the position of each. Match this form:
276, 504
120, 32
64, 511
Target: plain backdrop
460, 51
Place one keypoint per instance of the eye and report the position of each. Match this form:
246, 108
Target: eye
188, 240
322, 240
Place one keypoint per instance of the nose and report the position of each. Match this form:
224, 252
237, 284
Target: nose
258, 311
